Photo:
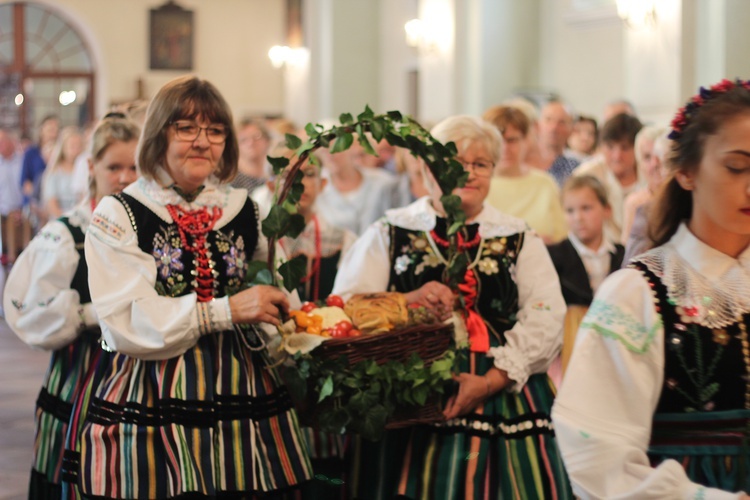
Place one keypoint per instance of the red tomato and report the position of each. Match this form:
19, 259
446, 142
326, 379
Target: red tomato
345, 326
308, 306
335, 301
338, 333
355, 333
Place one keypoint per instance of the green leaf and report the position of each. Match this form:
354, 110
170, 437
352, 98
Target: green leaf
346, 119
296, 382
343, 142
258, 273
311, 130
374, 422
296, 226
377, 129
395, 140
395, 115
276, 222
455, 227
327, 389
366, 115
292, 141
365, 143
278, 163
292, 272
451, 202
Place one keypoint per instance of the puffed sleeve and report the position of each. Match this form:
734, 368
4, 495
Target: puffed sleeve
536, 338
366, 266
40, 306
135, 319
603, 412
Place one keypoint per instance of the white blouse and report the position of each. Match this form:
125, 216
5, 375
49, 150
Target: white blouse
533, 342
135, 319
604, 410
40, 307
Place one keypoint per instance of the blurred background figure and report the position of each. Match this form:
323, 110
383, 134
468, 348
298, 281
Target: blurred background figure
11, 199
517, 189
584, 138
410, 180
34, 163
255, 142
58, 193
554, 128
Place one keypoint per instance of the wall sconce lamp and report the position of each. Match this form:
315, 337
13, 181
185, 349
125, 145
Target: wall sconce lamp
637, 14
421, 35
281, 55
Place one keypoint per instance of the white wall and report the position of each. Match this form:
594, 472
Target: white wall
232, 38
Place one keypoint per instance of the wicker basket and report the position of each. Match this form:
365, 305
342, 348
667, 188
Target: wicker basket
430, 342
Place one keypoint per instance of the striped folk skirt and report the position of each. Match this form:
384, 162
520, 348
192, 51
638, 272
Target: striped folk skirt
68, 370
505, 449
215, 421
713, 447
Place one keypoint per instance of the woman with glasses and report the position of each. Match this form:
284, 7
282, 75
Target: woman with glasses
187, 405
497, 440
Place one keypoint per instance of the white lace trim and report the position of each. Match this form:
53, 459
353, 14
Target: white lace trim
420, 216
711, 304
507, 359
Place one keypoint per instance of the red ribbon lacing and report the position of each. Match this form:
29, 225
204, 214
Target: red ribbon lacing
479, 337
197, 224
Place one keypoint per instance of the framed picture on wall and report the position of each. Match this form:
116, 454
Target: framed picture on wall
171, 45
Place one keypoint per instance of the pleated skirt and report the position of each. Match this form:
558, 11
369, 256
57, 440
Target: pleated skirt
213, 422
66, 375
505, 449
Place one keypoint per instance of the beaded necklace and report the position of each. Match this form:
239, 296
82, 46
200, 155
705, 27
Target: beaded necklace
197, 223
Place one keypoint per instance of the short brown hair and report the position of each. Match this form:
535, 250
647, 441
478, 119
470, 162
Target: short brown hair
503, 116
586, 181
621, 128
185, 97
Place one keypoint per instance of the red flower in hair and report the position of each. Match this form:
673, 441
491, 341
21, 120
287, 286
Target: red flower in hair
685, 113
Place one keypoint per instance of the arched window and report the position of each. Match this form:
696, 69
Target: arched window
45, 68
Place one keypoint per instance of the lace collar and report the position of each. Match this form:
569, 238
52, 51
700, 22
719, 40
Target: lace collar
420, 216
159, 191
710, 288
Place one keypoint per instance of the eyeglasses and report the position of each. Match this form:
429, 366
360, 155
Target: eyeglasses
189, 131
480, 168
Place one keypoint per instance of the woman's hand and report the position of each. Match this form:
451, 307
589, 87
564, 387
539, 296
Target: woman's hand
436, 297
472, 390
258, 304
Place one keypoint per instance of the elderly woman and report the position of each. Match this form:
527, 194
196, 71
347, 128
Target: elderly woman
187, 405
496, 441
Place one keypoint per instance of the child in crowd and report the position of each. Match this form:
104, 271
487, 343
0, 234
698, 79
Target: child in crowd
47, 301
586, 256
656, 401
584, 138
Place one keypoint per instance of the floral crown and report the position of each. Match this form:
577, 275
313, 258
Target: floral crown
688, 111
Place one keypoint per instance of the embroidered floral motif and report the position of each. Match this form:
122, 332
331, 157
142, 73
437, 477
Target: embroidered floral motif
428, 260
612, 322
48, 235
488, 266
167, 259
418, 243
20, 306
402, 264
541, 306
223, 246
235, 259
721, 336
497, 246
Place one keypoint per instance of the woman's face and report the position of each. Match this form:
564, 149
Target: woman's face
478, 162
253, 144
721, 187
583, 137
513, 148
191, 162
650, 164
73, 147
115, 170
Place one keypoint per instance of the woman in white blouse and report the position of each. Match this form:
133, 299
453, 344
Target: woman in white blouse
496, 440
656, 399
47, 301
186, 404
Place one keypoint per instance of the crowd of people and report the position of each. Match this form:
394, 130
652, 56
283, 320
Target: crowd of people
607, 261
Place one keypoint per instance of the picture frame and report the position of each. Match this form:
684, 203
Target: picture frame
171, 38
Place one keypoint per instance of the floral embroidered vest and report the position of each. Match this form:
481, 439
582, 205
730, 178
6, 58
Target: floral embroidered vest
704, 369
415, 262
228, 249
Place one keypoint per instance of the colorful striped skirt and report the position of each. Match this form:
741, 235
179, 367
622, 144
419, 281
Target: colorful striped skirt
505, 449
65, 376
713, 447
215, 421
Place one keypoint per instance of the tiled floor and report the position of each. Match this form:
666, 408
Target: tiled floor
21, 374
